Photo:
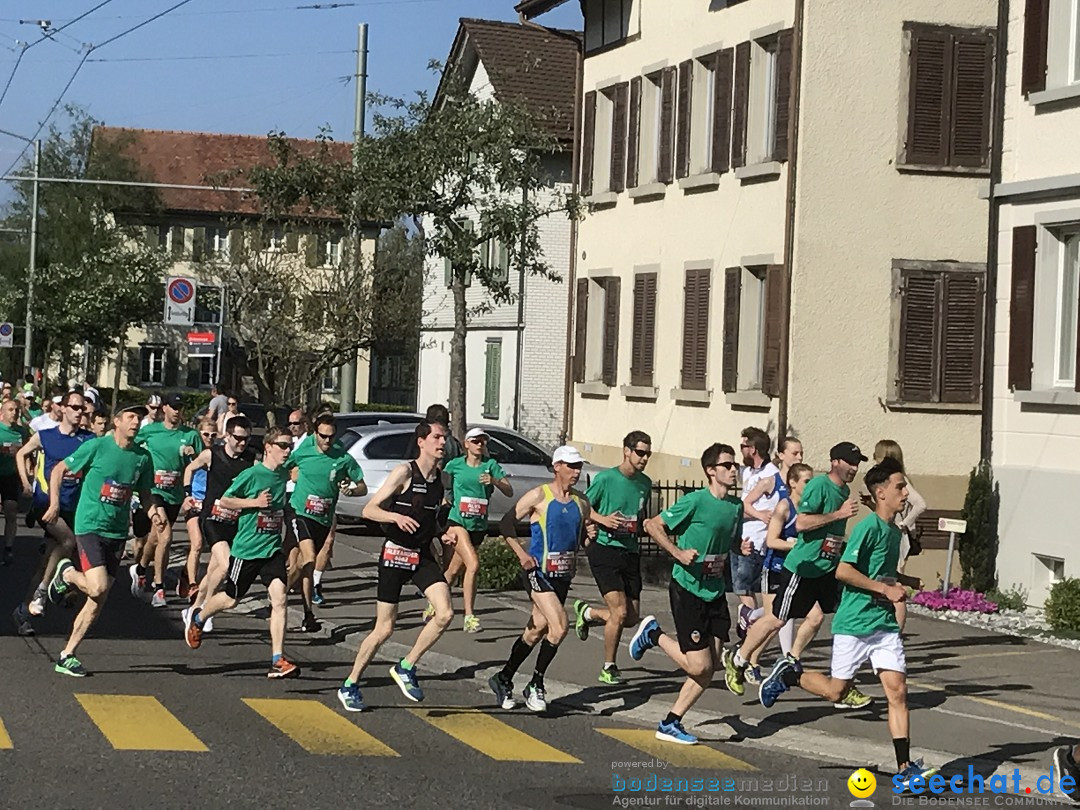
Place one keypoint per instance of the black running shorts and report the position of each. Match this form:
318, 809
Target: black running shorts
537, 582
140, 521
797, 595
96, 551
242, 574
305, 528
615, 569
417, 566
698, 622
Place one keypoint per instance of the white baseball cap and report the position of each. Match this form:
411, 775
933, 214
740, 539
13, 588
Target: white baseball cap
474, 432
566, 455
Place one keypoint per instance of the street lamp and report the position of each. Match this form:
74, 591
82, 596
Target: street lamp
28, 342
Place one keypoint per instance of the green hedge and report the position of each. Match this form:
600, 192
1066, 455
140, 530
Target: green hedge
1063, 605
499, 567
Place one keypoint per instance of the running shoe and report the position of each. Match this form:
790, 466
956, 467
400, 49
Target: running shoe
138, 582
351, 698
753, 676
734, 676
208, 625
1065, 766
581, 627
310, 624
192, 632
9, 556
744, 621
472, 624
406, 681
773, 686
535, 698
70, 665
642, 638
20, 617
914, 769
429, 613
283, 668
611, 676
853, 699
37, 604
317, 597
795, 662
182, 585
503, 691
674, 732
58, 588
158, 600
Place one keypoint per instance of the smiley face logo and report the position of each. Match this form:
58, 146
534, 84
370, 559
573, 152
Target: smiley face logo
862, 783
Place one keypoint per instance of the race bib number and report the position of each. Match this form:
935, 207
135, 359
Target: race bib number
269, 521
314, 505
831, 547
713, 566
627, 528
115, 494
560, 564
473, 507
395, 556
166, 479
223, 515
71, 479
196, 506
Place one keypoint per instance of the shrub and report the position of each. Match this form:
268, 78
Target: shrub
978, 545
1015, 598
1063, 605
958, 599
499, 567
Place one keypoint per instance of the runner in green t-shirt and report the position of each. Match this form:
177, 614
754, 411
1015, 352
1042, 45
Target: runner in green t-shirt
469, 481
620, 498
321, 470
865, 628
706, 522
258, 493
12, 437
172, 445
112, 468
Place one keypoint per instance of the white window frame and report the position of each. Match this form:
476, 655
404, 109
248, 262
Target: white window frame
165, 237
1063, 45
1074, 55
751, 328
331, 252
158, 358
649, 128
605, 119
1066, 331
331, 380
761, 140
702, 106
275, 241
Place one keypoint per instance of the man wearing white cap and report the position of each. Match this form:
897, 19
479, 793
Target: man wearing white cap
556, 514
153, 410
50, 415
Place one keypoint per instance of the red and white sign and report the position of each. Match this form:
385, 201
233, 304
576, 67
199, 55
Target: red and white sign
180, 300
201, 344
200, 338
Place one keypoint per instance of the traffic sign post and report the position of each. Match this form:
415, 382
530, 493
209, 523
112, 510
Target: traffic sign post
7, 335
953, 527
180, 300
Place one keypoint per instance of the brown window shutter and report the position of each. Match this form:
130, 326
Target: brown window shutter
720, 160
666, 152
741, 112
973, 59
610, 360
689, 358
1022, 307
633, 134
919, 370
682, 138
618, 136
1036, 41
581, 328
961, 364
732, 304
695, 355
784, 78
773, 332
588, 143
929, 96
641, 355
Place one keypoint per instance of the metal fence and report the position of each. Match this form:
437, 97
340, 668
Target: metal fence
664, 493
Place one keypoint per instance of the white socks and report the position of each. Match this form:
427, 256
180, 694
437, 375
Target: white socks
787, 636
317, 576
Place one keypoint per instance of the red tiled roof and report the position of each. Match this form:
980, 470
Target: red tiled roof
193, 158
528, 64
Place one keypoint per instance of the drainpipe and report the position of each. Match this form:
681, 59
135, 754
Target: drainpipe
520, 348
568, 384
986, 433
789, 225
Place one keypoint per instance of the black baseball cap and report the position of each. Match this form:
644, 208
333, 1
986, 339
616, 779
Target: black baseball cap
139, 409
847, 451
173, 401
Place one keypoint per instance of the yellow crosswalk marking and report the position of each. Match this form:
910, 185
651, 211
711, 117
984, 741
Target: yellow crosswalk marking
492, 737
680, 756
318, 729
5, 740
138, 723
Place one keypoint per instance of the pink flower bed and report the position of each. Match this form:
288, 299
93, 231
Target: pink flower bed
966, 601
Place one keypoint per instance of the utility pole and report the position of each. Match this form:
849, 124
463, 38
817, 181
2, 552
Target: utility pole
347, 380
28, 339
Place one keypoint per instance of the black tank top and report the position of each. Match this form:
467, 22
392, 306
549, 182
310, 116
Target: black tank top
222, 472
421, 502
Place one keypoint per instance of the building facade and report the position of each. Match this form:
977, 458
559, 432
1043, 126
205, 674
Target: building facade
1036, 383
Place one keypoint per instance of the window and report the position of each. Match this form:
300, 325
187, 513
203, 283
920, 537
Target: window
448, 268
1067, 293
165, 237
937, 332
1074, 31
207, 304
216, 243
753, 328
200, 371
390, 447
331, 251
518, 450
275, 239
650, 129
695, 340
1051, 45
951, 73
152, 365
608, 22
331, 380
644, 337
618, 97
610, 332
496, 258
492, 377
596, 330
581, 328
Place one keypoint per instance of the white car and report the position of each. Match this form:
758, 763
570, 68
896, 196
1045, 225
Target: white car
381, 448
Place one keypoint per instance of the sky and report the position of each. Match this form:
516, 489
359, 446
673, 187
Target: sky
231, 66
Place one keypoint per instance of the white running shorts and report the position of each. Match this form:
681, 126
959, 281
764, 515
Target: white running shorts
883, 649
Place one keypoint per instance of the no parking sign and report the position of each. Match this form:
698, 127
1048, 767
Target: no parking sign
180, 301
7, 334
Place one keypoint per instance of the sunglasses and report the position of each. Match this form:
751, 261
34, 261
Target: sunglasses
577, 465
295, 424
478, 440
641, 453
727, 465
282, 445
208, 435
327, 436
239, 439
231, 404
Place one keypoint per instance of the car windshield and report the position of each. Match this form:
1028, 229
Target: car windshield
508, 448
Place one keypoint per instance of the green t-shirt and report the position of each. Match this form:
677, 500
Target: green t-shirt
169, 462
611, 492
110, 473
258, 531
468, 497
34, 413
317, 488
709, 524
818, 552
874, 549
12, 438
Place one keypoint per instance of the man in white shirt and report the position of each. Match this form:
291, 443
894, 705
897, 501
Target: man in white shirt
49, 417
153, 410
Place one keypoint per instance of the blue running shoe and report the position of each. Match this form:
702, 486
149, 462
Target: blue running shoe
642, 638
406, 681
57, 587
503, 691
317, 597
674, 732
916, 768
773, 686
351, 699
